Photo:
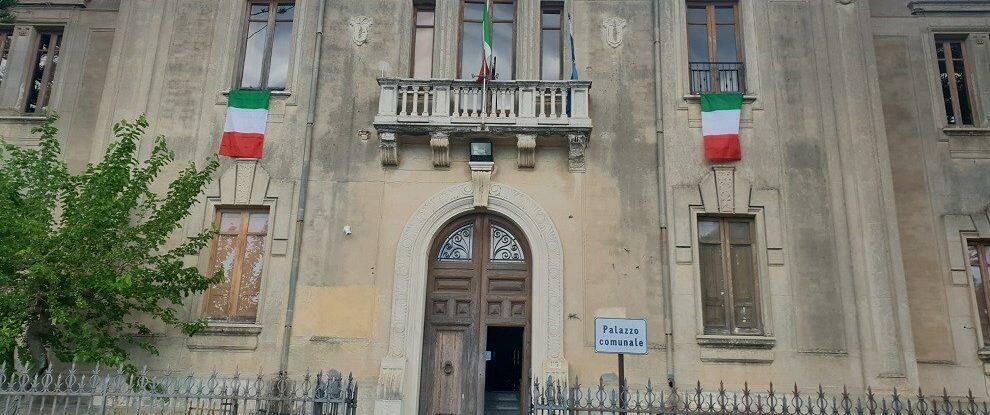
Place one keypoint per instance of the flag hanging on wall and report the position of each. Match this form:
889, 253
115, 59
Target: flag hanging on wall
720, 126
247, 118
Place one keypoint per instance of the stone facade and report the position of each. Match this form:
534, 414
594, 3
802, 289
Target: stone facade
862, 201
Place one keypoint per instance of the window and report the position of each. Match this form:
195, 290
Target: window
730, 299
423, 41
503, 38
950, 52
714, 47
267, 43
238, 252
550, 43
42, 71
979, 258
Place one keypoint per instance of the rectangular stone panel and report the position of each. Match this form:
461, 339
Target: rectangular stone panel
813, 271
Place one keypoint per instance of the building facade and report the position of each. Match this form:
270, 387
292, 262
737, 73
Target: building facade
459, 238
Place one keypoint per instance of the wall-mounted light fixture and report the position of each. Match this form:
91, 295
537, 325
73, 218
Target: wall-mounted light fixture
482, 151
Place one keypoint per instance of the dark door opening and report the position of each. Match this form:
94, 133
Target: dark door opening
504, 370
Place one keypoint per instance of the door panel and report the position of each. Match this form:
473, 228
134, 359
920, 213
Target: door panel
479, 276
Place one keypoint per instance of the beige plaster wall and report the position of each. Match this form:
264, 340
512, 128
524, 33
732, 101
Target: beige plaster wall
841, 307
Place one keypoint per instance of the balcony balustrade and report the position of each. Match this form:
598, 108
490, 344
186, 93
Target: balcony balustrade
440, 107
710, 77
415, 105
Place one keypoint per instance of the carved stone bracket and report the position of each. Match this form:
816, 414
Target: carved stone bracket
481, 181
388, 148
576, 143
440, 143
526, 143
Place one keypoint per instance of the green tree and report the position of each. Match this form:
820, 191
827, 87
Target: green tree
6, 15
85, 259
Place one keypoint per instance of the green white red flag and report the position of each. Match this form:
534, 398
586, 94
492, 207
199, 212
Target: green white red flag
247, 119
720, 126
486, 44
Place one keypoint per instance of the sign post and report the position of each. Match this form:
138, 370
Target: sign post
620, 336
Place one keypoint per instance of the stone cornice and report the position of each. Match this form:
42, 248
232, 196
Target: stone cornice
950, 7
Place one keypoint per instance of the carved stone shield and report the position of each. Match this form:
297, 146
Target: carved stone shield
360, 25
613, 28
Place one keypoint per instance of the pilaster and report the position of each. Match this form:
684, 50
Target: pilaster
18, 65
888, 358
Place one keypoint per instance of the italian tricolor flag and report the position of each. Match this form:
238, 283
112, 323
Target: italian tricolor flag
247, 117
720, 126
486, 44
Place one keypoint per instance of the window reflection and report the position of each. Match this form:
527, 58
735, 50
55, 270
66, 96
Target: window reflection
267, 45
503, 26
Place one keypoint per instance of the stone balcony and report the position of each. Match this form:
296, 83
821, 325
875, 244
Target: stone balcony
443, 109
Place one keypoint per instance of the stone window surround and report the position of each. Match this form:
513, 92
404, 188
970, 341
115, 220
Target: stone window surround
446, 38
960, 229
13, 90
747, 24
398, 380
975, 43
234, 40
242, 183
723, 192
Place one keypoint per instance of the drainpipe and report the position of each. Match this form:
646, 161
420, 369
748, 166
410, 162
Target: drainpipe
665, 283
314, 83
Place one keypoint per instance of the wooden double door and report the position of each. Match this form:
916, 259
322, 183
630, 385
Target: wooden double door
479, 282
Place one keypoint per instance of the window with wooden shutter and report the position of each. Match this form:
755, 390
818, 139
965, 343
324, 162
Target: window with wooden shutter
423, 21
979, 258
729, 281
953, 77
267, 45
239, 254
715, 47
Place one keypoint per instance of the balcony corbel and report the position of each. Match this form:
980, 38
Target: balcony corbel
576, 144
526, 144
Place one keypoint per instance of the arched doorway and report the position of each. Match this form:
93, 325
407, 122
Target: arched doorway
477, 326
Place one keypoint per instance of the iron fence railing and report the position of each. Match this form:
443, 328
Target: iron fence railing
555, 397
94, 392
717, 77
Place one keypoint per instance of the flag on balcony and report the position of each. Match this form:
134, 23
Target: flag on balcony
720, 126
574, 71
247, 118
486, 44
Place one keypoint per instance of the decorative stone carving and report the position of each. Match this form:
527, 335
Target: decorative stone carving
723, 191
576, 143
725, 186
388, 148
398, 388
613, 29
440, 143
481, 181
245, 182
360, 26
22, 30
526, 143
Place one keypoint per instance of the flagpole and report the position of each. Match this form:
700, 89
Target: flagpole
484, 80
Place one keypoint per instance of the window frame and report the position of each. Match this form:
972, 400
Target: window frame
6, 36
230, 311
460, 34
45, 94
559, 9
266, 61
711, 29
419, 7
728, 305
949, 38
981, 246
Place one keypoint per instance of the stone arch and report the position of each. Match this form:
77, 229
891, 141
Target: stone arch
398, 381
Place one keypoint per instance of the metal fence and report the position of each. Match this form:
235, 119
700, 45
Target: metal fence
708, 77
91, 392
555, 397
